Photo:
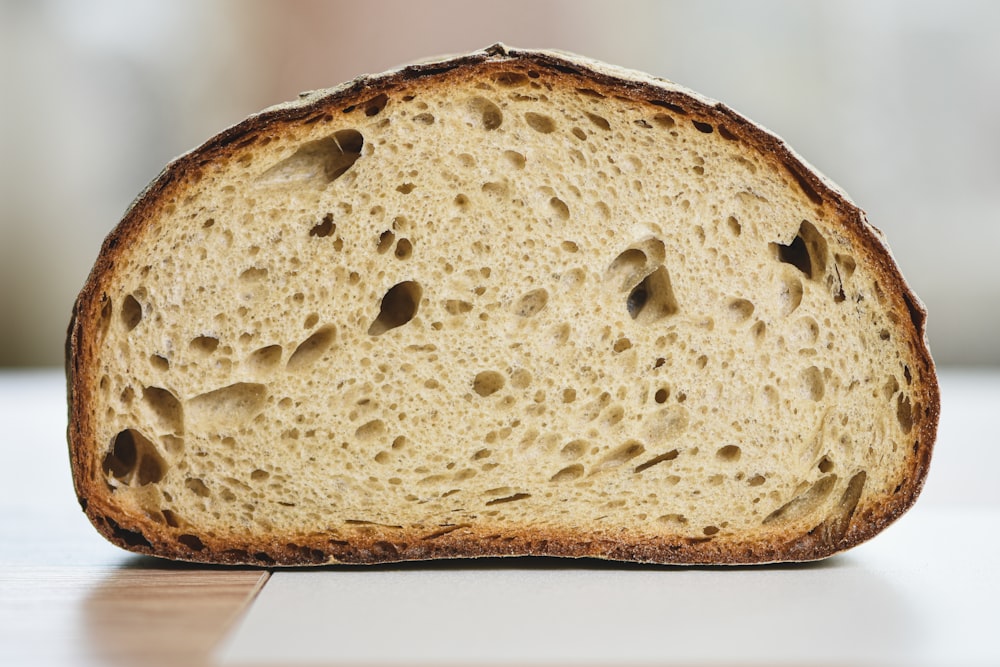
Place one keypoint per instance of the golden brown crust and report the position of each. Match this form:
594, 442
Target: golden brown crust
372, 543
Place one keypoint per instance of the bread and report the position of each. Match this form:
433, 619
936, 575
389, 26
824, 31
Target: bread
512, 302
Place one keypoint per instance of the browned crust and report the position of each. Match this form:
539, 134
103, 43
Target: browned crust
375, 544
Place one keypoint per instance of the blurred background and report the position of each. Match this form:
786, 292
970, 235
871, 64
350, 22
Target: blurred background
898, 101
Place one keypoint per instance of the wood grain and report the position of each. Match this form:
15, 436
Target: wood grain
162, 616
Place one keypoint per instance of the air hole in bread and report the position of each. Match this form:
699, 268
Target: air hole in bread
904, 413
795, 254
254, 274
726, 133
599, 121
134, 460
131, 313
702, 127
404, 249
653, 298
511, 79
265, 358
159, 362
796, 170
568, 474
509, 499
484, 113
192, 542
812, 383
540, 122
312, 348
668, 456
130, 537
168, 416
228, 406
664, 120
398, 306
628, 267
531, 303
759, 330
385, 241
846, 265
496, 189
376, 104
806, 502
807, 252
574, 449
370, 430
104, 320
487, 383
729, 453
559, 207
204, 345
322, 161
619, 455
734, 226
790, 295
582, 136
890, 387
424, 118
676, 108
324, 228
457, 306
521, 378
515, 159
739, 310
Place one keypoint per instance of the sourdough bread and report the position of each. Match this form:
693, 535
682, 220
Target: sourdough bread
512, 302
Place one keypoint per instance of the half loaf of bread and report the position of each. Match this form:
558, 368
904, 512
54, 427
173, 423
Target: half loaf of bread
513, 302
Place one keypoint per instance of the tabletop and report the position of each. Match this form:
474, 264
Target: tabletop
922, 593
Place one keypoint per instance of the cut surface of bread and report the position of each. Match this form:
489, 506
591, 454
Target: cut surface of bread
513, 302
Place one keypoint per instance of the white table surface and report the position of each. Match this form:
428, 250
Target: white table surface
925, 592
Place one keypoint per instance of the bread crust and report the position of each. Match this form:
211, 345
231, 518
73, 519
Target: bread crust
374, 543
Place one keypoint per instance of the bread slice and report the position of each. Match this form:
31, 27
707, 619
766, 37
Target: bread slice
512, 302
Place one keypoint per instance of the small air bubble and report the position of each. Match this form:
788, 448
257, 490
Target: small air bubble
515, 159
404, 249
540, 122
560, 208
131, 312
729, 453
599, 121
488, 383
